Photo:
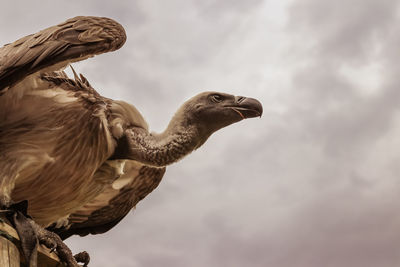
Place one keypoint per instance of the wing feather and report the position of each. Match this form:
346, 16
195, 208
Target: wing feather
111, 206
76, 39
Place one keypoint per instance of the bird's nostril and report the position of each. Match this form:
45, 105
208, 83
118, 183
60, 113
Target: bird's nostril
240, 99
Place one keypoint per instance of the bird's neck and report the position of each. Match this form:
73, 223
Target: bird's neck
162, 149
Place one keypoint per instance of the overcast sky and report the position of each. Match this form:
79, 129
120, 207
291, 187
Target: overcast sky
314, 182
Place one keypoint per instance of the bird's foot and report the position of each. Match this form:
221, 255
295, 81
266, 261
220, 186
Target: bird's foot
54, 243
30, 233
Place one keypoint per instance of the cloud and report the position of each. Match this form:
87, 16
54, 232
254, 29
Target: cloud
343, 30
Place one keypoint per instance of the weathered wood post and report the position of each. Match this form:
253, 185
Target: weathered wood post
11, 255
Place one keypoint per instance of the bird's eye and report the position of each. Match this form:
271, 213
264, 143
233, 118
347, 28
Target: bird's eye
216, 98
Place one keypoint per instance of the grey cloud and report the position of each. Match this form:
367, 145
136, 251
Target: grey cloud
343, 30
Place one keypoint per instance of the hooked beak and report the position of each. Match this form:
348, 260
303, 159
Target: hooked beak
247, 107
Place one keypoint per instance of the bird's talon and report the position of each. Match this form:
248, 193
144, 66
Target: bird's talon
82, 257
53, 249
55, 244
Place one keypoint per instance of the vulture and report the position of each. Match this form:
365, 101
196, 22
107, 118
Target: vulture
73, 162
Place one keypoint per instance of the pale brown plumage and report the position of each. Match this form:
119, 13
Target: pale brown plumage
81, 160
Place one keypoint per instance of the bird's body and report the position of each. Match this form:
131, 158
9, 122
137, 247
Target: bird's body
50, 148
39, 135
81, 160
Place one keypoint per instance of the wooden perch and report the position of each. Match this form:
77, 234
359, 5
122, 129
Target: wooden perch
11, 254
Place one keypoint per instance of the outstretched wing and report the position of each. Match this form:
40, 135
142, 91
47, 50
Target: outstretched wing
74, 40
114, 203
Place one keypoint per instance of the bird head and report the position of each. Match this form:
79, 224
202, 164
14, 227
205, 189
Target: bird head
211, 111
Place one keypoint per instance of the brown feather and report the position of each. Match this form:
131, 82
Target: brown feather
74, 40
